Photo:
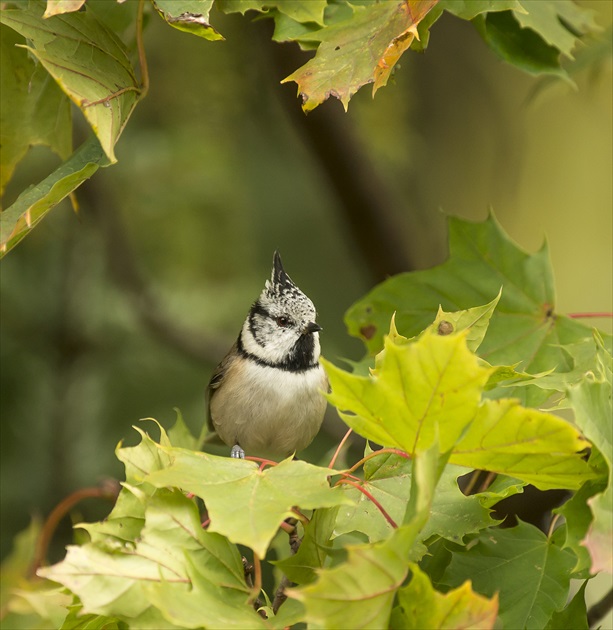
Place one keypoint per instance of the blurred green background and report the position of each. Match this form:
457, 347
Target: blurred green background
121, 311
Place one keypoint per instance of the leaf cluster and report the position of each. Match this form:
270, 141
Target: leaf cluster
59, 52
398, 539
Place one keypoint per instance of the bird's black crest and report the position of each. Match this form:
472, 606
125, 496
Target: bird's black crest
280, 280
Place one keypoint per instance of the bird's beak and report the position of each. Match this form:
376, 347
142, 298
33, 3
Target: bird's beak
311, 327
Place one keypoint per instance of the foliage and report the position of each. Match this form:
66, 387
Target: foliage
393, 541
66, 51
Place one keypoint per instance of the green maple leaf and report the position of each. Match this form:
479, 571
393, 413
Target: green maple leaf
89, 63
573, 616
524, 331
19, 219
34, 110
173, 560
359, 593
421, 606
591, 400
452, 515
469, 9
529, 572
533, 446
313, 551
431, 388
558, 22
247, 504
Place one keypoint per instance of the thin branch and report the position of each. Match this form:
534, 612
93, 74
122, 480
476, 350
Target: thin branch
280, 594
142, 58
108, 489
287, 527
285, 583
470, 486
487, 482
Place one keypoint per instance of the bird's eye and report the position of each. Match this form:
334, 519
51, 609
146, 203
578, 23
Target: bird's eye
282, 321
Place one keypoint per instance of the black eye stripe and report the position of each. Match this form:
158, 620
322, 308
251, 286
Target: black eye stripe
256, 309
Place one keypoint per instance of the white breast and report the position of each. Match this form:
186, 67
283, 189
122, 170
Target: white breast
268, 411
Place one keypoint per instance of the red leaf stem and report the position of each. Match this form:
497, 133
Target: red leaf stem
367, 494
395, 451
586, 315
339, 448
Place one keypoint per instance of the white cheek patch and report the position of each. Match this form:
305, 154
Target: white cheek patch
277, 348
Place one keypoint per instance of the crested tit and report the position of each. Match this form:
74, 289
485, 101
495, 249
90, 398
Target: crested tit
265, 397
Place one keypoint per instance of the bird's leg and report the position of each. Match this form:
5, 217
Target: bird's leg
237, 452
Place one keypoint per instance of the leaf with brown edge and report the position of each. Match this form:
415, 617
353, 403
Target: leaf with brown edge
399, 45
359, 50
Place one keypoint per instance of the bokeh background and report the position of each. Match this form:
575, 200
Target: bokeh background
121, 311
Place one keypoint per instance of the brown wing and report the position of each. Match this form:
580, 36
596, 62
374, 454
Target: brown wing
217, 381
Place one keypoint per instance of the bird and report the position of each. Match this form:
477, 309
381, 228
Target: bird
266, 397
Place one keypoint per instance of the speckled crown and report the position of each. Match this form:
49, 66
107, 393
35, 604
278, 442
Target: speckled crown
281, 288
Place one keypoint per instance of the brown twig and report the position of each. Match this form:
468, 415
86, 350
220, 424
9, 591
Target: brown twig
280, 594
108, 489
142, 58
487, 482
285, 583
470, 486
